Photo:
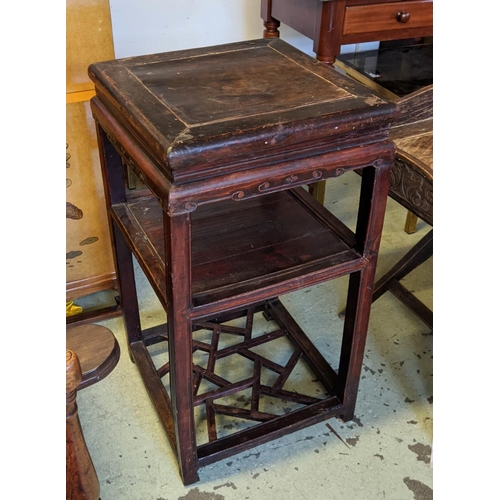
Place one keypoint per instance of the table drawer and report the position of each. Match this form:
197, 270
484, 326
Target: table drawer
387, 16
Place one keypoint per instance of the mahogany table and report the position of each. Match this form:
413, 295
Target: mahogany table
225, 139
333, 23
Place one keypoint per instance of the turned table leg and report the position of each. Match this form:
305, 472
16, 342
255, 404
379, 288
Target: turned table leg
373, 197
271, 24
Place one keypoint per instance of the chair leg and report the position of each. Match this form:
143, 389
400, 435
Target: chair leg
416, 256
318, 191
411, 222
390, 281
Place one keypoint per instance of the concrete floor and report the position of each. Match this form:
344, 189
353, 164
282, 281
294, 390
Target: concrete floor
384, 453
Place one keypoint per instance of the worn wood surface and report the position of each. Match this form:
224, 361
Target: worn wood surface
253, 243
412, 173
249, 115
223, 142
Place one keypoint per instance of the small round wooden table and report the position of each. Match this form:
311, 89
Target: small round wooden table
92, 352
97, 350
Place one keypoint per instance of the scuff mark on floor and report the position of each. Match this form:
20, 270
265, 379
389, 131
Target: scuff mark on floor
353, 441
307, 438
357, 421
226, 485
423, 452
196, 494
420, 490
368, 369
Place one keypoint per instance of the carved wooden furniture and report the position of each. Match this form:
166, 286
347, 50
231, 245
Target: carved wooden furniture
412, 186
393, 71
91, 354
89, 259
332, 23
224, 143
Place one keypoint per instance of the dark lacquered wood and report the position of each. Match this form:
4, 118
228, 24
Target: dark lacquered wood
112, 167
257, 117
374, 189
223, 142
332, 23
291, 244
81, 478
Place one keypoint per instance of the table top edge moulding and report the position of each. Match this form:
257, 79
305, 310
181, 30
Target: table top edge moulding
187, 146
254, 178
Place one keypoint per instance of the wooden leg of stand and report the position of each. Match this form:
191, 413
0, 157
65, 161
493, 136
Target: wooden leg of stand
180, 347
373, 196
410, 261
81, 478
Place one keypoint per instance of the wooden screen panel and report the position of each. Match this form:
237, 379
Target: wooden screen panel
89, 261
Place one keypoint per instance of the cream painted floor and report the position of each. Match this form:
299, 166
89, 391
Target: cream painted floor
384, 453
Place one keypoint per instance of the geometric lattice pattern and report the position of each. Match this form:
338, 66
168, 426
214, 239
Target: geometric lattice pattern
241, 377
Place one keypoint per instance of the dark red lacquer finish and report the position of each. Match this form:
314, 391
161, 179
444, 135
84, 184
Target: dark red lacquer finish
224, 139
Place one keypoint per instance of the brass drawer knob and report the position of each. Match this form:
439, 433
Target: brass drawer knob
403, 17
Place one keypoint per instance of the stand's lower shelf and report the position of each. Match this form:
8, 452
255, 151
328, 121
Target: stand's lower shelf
260, 247
248, 388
